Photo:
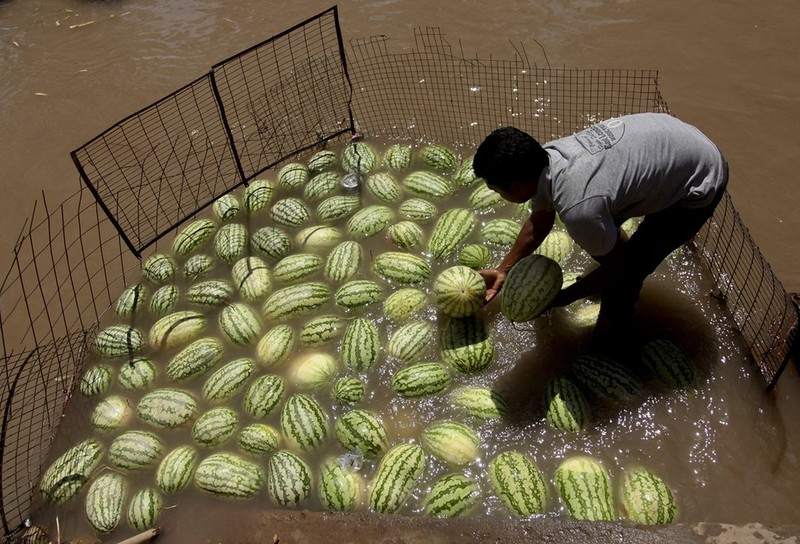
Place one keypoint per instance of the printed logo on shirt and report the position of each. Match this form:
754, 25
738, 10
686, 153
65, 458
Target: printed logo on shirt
601, 136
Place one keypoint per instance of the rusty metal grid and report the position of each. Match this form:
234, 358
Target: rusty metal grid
155, 169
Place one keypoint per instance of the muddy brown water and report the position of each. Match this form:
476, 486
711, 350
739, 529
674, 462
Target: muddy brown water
71, 69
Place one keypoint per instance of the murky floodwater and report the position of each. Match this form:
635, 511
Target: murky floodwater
71, 69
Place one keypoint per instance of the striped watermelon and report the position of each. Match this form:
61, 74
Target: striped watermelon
400, 267
439, 157
322, 330
466, 345
96, 381
406, 234
360, 345
369, 221
258, 439
297, 267
263, 396
159, 268
397, 473
459, 291
210, 293
230, 242
167, 408
500, 232
451, 496
110, 413
275, 346
321, 186
606, 378
313, 370
480, 402
293, 175
530, 287
359, 157
348, 391
193, 236
214, 427
424, 183
519, 483
408, 343
131, 300
339, 487
164, 300
669, 363
338, 207
288, 479
464, 175
176, 469
296, 300
397, 157
226, 207
452, 442
566, 408
251, 278
362, 430
229, 475
144, 509
227, 381
357, 293
137, 374
197, 267
104, 502
67, 475
344, 261
475, 256
421, 379
557, 245
321, 161
646, 498
257, 195
383, 187
303, 421
417, 209
239, 323
290, 212
134, 450
483, 198
271, 242
318, 238
177, 329
404, 303
118, 341
450, 230
585, 488
195, 359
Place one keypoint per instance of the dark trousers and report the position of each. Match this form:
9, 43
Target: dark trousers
658, 235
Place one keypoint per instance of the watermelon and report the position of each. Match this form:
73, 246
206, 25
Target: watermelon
134, 450
67, 475
439, 157
451, 496
500, 232
195, 359
362, 430
360, 345
96, 381
258, 439
104, 502
404, 303
275, 346
118, 341
339, 487
519, 483
318, 237
197, 267
296, 300
257, 195
176, 469
177, 329
406, 234
131, 300
348, 391
417, 209
321, 186
229, 475
585, 488
669, 363
464, 175
357, 293
214, 427
313, 370
303, 421
226, 207
288, 479
557, 245
263, 395
144, 509
480, 402
227, 381
158, 268
606, 378
466, 345
397, 157
646, 498
210, 293
397, 473
475, 256
338, 207
296, 267
452, 442
239, 324
483, 198
167, 408
293, 175
343, 261
251, 278
322, 330
408, 343
270, 243
424, 183
383, 186
359, 157
290, 212
164, 300
110, 413
450, 230
369, 221
530, 287
565, 406
459, 291
230, 242
400, 267
137, 374
193, 236
420, 380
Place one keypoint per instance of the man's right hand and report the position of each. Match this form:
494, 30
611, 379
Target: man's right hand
494, 279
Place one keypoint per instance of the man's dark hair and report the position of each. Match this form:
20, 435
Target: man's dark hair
509, 154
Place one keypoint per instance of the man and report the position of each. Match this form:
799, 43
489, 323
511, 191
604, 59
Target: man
648, 164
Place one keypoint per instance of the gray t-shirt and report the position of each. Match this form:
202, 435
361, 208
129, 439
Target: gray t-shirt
625, 167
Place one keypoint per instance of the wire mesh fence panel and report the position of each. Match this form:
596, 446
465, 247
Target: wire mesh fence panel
287, 94
68, 266
159, 166
763, 311
433, 94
